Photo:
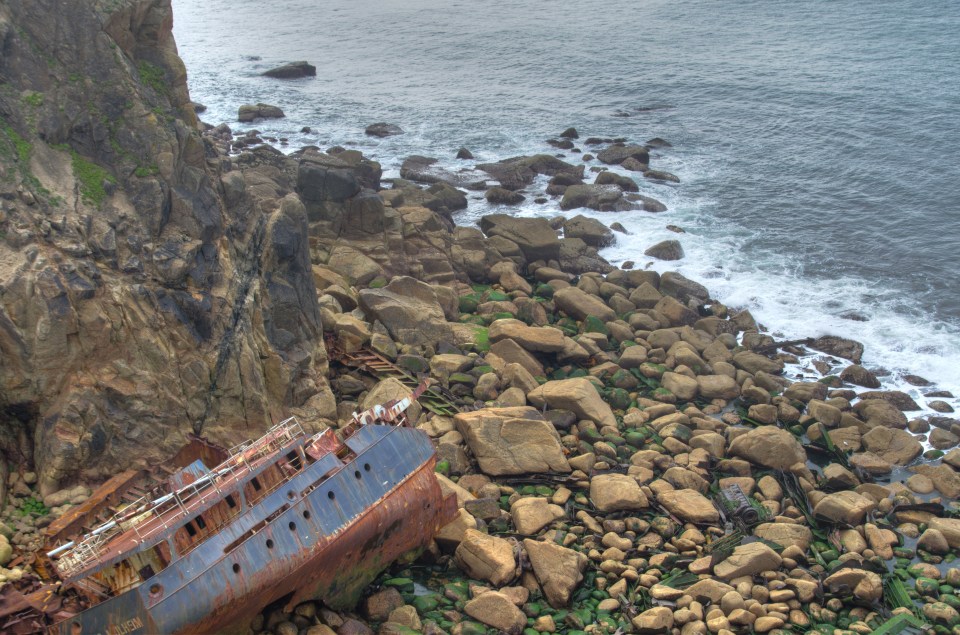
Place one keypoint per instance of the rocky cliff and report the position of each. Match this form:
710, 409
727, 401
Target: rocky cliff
147, 290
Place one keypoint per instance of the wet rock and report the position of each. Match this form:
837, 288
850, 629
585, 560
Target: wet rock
604, 198
841, 347
933, 541
949, 528
518, 172
647, 203
625, 183
860, 376
770, 447
661, 175
250, 112
589, 230
570, 133
754, 363
500, 196
293, 70
512, 441
665, 250
383, 129
683, 288
617, 154
486, 558
901, 400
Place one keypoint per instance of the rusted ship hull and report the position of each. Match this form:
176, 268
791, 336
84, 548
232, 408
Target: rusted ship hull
329, 531
339, 569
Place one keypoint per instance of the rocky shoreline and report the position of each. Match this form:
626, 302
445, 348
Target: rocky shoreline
161, 277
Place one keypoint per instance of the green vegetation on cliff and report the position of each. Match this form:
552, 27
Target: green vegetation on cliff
91, 178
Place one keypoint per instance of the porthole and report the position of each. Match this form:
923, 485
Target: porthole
306, 514
155, 590
331, 495
269, 544
357, 474
366, 467
236, 567
291, 495
292, 526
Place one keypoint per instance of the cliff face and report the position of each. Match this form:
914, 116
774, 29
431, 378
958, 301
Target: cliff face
145, 291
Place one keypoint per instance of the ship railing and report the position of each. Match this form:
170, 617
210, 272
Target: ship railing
139, 514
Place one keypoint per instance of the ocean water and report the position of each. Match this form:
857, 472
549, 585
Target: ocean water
816, 142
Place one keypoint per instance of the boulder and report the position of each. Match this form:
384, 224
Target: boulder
409, 309
949, 528
530, 515
785, 534
250, 112
423, 169
839, 346
388, 390
896, 446
769, 446
683, 288
709, 590
486, 557
579, 304
497, 610
617, 492
518, 172
685, 388
535, 237
625, 183
865, 585
665, 250
748, 560
860, 376
718, 387
589, 230
617, 154
655, 621
882, 413
293, 70
532, 338
501, 196
754, 363
605, 198
578, 395
512, 441
558, 570
844, 507
689, 505
383, 129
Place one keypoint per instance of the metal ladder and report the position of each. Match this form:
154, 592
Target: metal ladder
436, 399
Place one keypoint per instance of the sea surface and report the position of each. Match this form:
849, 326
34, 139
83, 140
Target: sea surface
817, 143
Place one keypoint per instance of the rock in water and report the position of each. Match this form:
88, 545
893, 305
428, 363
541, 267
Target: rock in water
383, 129
293, 70
250, 112
665, 250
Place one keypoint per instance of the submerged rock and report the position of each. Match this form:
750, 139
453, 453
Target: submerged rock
293, 70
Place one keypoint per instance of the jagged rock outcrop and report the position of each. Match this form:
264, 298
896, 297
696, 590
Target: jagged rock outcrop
149, 288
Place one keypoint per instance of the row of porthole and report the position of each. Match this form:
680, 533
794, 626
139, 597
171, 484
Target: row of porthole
292, 526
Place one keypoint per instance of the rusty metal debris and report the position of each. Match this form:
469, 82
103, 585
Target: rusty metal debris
287, 517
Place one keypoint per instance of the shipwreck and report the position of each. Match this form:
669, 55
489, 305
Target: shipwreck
287, 517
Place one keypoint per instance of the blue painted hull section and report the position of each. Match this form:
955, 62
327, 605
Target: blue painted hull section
220, 581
